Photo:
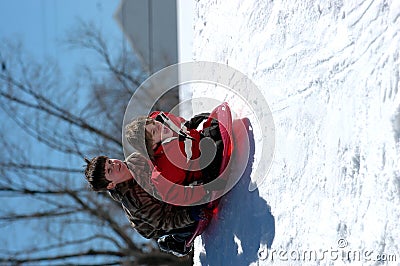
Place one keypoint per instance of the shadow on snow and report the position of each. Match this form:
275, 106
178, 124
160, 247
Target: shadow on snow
243, 223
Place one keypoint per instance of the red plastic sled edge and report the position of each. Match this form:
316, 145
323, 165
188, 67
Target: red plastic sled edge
223, 114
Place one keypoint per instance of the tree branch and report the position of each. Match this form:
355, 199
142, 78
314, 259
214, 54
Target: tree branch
87, 253
21, 166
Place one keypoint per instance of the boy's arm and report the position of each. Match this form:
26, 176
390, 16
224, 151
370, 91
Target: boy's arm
171, 189
152, 217
195, 121
176, 193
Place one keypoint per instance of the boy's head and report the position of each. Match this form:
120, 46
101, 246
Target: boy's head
153, 131
95, 173
104, 173
158, 133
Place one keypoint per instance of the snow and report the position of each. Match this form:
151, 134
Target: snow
329, 71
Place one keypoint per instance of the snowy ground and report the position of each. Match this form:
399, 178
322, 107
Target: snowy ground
329, 70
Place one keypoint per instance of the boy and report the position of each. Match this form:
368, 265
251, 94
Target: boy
170, 225
180, 152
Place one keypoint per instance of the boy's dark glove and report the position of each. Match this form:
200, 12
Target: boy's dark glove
201, 213
196, 120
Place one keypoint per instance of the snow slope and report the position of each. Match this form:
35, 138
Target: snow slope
329, 70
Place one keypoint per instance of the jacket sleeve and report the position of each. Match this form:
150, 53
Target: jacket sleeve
176, 193
151, 217
145, 229
161, 216
171, 177
195, 121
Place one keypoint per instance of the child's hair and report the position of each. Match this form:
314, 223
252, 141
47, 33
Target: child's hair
95, 173
134, 133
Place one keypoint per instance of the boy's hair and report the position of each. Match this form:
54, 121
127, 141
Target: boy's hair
95, 173
134, 133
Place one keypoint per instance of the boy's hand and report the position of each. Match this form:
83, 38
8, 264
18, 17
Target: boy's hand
138, 164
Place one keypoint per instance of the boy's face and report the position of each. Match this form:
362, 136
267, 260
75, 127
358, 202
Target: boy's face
159, 132
116, 171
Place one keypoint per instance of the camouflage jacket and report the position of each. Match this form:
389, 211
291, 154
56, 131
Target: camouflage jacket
151, 217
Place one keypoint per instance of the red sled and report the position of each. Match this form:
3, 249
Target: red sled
223, 114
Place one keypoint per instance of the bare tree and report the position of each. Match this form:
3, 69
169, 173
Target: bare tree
47, 116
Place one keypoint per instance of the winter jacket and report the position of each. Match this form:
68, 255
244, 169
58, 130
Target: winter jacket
175, 160
151, 218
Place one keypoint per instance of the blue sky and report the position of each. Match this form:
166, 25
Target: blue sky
41, 25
